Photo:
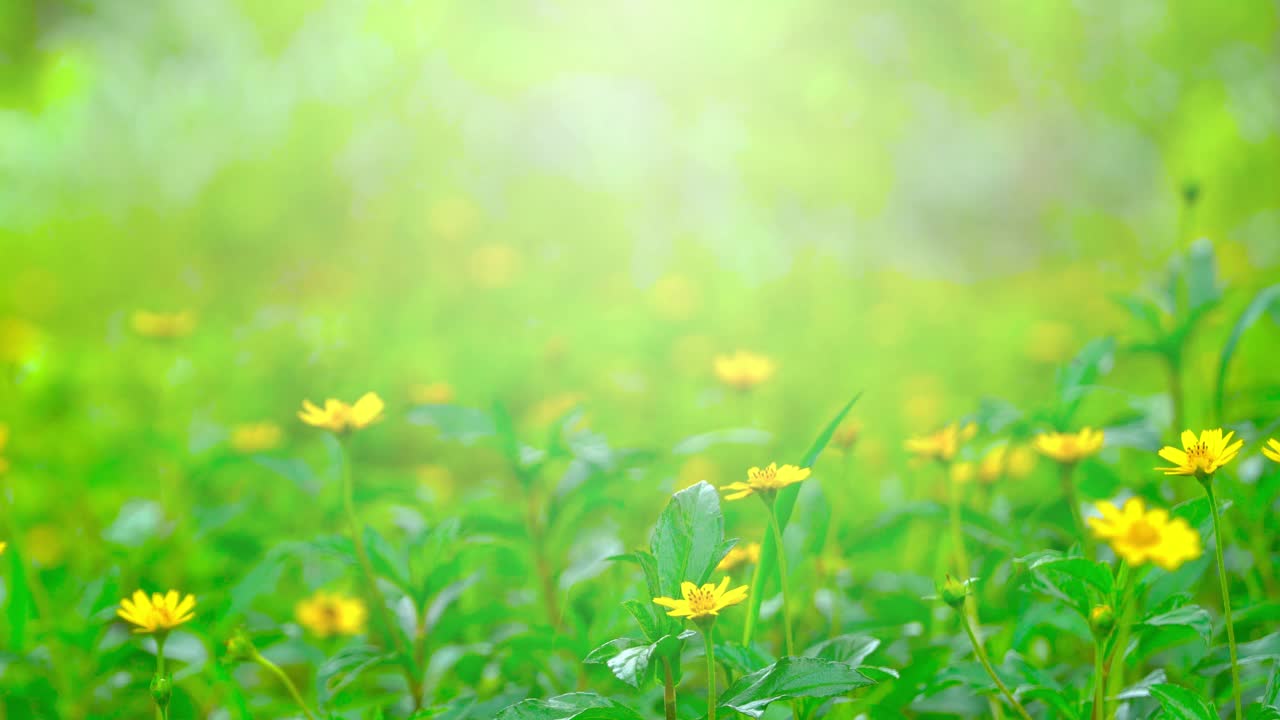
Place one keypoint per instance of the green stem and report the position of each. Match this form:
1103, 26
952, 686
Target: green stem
668, 690
1069, 492
371, 581
986, 664
749, 627
1099, 681
162, 709
1175, 389
957, 540
288, 684
782, 578
711, 673
1226, 596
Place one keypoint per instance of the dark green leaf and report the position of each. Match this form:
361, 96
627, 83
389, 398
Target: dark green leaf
790, 677
1191, 616
574, 706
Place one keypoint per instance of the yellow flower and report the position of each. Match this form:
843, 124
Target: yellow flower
255, 437
340, 417
163, 325
704, 602
1140, 536
846, 436
994, 464
1201, 457
748, 554
1070, 447
1271, 449
326, 614
963, 472
158, 613
743, 370
436, 393
943, 444
766, 481
3, 545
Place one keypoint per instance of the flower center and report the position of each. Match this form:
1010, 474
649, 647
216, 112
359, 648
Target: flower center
1142, 534
765, 478
1199, 457
702, 601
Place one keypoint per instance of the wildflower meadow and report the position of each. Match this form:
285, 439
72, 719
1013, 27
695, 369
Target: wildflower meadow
387, 360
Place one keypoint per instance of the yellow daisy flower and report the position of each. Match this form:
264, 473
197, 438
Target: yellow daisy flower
846, 436
338, 416
743, 370
1140, 536
943, 444
3, 546
1020, 462
963, 472
766, 481
1271, 449
163, 325
700, 603
255, 437
158, 613
1070, 447
748, 554
326, 614
1201, 456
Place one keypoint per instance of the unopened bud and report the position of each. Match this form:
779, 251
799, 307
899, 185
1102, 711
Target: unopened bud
240, 647
953, 592
161, 690
1102, 619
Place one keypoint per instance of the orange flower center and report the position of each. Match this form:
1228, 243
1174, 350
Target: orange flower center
1142, 534
766, 478
702, 601
1199, 458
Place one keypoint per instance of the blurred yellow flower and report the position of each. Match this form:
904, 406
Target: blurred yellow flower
704, 602
674, 297
255, 437
494, 266
1140, 536
1070, 447
766, 481
739, 555
994, 464
436, 393
326, 614
1020, 461
943, 444
846, 435
1203, 456
341, 417
3, 546
1271, 449
45, 544
163, 325
963, 472
158, 613
743, 370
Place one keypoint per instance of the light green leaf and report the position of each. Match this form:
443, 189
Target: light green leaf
687, 540
1192, 616
1180, 703
574, 706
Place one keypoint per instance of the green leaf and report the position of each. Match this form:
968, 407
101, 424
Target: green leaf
387, 561
1180, 703
1261, 650
1191, 616
1095, 574
1201, 273
790, 677
848, 649
646, 617
1078, 377
632, 661
785, 502
687, 540
1266, 298
574, 706
454, 422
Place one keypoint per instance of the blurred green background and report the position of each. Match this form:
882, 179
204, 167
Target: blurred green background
557, 204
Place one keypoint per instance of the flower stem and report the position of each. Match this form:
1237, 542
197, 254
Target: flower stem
782, 578
711, 674
162, 708
371, 581
1099, 681
1069, 492
288, 684
668, 690
748, 627
986, 664
957, 538
1226, 596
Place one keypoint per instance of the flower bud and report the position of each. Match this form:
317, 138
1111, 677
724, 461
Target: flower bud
240, 647
161, 690
1102, 619
953, 592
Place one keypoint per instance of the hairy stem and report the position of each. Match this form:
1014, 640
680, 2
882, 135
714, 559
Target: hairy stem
284, 680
